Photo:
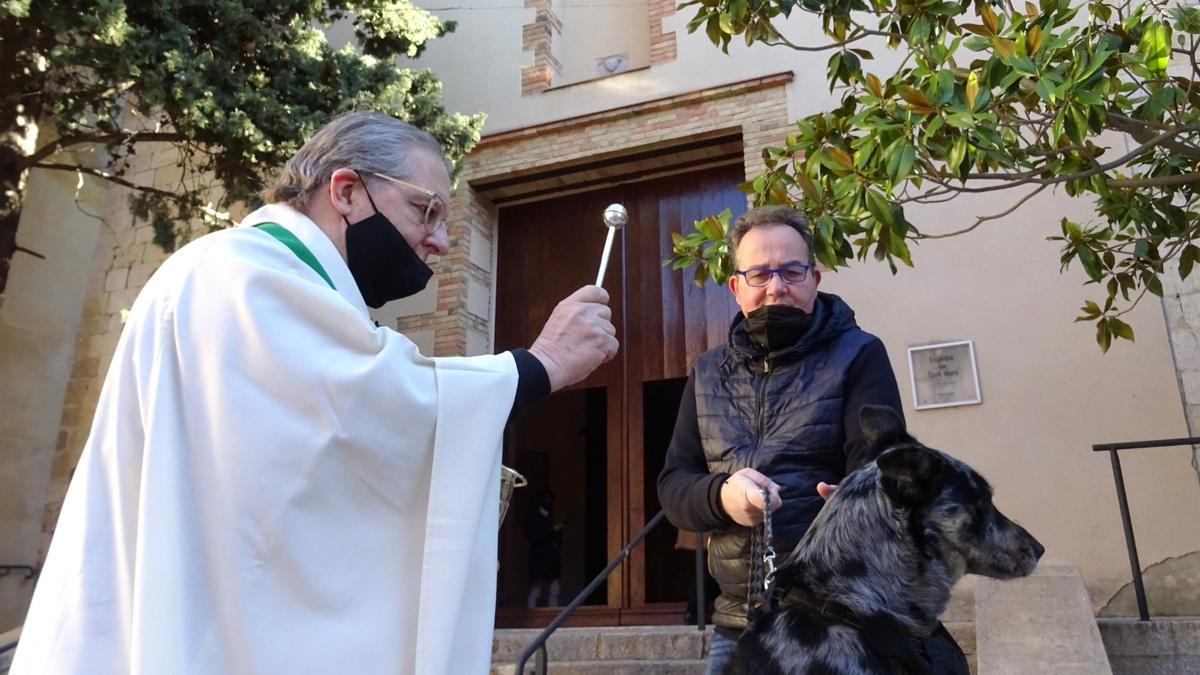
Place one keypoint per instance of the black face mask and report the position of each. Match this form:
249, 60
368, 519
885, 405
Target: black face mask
775, 327
384, 266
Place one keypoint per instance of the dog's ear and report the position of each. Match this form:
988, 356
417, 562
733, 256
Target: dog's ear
881, 425
911, 475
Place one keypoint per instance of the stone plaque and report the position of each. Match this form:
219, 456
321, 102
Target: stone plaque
944, 375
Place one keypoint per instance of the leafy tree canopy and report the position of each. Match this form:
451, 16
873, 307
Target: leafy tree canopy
235, 86
1095, 97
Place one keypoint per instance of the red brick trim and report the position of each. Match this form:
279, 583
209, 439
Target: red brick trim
615, 114
537, 37
662, 45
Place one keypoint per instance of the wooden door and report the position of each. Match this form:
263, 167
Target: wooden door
547, 250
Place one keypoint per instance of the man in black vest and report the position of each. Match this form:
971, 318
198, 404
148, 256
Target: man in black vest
775, 407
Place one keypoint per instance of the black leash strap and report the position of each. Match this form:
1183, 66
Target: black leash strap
761, 591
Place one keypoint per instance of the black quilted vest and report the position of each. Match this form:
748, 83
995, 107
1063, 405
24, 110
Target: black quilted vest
782, 415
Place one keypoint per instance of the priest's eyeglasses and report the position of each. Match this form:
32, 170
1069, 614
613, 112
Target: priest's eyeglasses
761, 276
435, 208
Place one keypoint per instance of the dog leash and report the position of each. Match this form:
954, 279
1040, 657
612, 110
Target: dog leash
762, 562
768, 545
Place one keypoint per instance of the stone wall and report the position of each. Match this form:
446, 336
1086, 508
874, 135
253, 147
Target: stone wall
1181, 306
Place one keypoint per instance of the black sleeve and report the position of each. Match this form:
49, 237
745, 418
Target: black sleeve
687, 491
870, 381
533, 383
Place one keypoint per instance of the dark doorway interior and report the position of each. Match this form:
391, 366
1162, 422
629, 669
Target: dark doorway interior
667, 564
559, 446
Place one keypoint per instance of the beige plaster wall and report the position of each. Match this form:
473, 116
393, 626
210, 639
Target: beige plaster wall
590, 32
480, 67
38, 322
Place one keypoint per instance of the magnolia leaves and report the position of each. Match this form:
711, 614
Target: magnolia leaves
1022, 96
705, 248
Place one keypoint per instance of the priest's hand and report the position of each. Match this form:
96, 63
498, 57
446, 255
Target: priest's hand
578, 337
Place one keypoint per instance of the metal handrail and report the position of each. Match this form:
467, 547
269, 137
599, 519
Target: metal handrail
1135, 565
539, 643
29, 570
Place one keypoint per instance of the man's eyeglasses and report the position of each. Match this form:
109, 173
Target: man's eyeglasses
435, 209
761, 276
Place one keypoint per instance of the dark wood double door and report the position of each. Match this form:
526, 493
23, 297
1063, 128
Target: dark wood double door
598, 446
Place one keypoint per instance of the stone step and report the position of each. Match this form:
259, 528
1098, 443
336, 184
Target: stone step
1161, 646
629, 644
1040, 624
618, 667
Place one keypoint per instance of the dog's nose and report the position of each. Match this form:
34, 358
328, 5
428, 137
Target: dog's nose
1037, 548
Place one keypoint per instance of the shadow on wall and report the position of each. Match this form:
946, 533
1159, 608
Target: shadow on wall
1172, 589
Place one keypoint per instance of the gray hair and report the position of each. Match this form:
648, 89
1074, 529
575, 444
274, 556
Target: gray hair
364, 141
768, 216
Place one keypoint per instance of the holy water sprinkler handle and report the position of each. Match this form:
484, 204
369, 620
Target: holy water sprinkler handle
615, 217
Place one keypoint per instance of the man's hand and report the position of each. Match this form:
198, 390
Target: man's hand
741, 496
826, 490
578, 337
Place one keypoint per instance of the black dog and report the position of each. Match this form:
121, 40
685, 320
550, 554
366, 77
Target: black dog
862, 591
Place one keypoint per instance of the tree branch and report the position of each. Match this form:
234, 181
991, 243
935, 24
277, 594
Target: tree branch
983, 219
1155, 181
784, 42
1026, 177
1138, 129
107, 139
112, 178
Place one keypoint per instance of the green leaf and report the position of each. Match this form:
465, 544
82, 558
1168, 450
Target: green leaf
1044, 90
908, 156
1153, 284
1187, 258
958, 152
879, 207
726, 24
1103, 336
1090, 262
1155, 47
1119, 328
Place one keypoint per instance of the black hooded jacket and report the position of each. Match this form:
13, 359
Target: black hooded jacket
791, 414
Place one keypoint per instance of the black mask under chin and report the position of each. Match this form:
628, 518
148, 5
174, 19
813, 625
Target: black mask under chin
776, 327
384, 266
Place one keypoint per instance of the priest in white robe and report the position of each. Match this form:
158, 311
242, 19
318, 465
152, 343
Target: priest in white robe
273, 484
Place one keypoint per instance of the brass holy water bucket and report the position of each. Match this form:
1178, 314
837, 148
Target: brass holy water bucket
509, 481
